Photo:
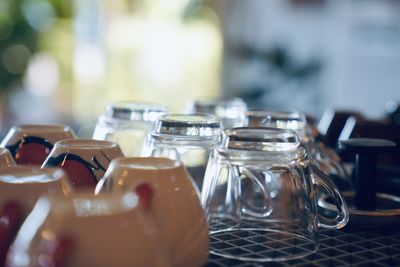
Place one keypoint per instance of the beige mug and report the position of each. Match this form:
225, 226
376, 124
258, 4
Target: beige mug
30, 144
176, 207
84, 230
84, 160
25, 184
20, 188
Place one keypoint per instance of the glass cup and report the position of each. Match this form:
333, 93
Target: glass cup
81, 229
6, 159
30, 144
128, 123
84, 160
186, 137
231, 111
326, 158
176, 207
260, 200
20, 188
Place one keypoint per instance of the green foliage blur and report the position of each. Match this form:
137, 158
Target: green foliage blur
21, 24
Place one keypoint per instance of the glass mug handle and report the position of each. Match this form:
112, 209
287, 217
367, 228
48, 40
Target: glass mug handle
322, 180
251, 211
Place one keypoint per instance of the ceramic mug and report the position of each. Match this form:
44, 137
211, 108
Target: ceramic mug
6, 159
81, 230
31, 144
84, 160
20, 188
176, 206
25, 184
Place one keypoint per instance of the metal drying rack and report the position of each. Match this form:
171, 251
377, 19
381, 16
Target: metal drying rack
346, 247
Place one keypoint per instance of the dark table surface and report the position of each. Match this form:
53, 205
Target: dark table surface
346, 247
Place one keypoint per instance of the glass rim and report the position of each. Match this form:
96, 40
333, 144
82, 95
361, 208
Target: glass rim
221, 107
134, 111
223, 101
262, 139
188, 125
284, 114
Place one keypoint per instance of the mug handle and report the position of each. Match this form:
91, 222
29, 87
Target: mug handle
11, 218
145, 194
54, 252
322, 180
264, 189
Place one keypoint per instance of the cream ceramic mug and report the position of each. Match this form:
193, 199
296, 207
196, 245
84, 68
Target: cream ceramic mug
84, 230
84, 160
25, 184
20, 188
30, 144
176, 206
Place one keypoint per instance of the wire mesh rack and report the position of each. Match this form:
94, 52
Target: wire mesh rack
348, 247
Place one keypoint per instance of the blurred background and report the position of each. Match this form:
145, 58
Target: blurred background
62, 61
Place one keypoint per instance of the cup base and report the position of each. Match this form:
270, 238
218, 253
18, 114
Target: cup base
260, 245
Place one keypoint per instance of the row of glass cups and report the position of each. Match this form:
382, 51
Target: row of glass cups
96, 207
129, 124
258, 185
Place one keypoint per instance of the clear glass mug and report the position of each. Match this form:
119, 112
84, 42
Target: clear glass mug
326, 158
230, 110
189, 138
127, 123
259, 195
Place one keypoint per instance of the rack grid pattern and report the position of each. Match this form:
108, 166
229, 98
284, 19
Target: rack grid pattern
349, 247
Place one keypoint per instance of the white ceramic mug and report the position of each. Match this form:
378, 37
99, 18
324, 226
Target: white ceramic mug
20, 188
84, 160
30, 144
176, 206
82, 230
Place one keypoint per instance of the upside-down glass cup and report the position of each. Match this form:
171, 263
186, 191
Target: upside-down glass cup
30, 144
259, 197
84, 160
176, 207
187, 137
326, 158
84, 230
231, 111
127, 123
